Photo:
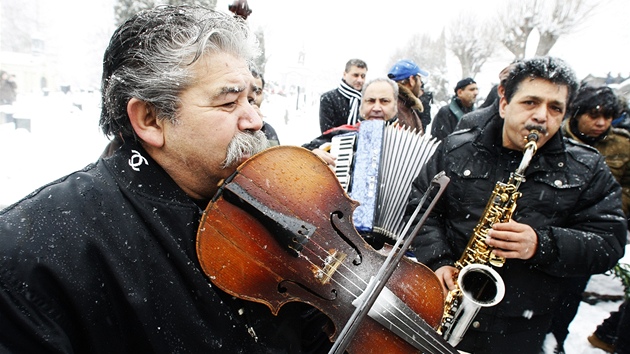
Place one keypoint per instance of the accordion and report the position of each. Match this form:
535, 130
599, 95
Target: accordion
379, 173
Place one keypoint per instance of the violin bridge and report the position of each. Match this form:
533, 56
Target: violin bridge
331, 263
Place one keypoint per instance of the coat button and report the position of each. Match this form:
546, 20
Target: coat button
558, 183
467, 173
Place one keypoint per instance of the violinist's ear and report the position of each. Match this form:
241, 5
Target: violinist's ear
145, 122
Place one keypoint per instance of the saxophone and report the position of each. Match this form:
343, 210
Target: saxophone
478, 285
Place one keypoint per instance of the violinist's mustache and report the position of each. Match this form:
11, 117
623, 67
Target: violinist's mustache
244, 144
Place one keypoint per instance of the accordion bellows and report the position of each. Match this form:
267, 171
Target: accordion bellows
387, 160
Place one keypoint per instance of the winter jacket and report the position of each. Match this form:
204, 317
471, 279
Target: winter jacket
479, 117
425, 116
334, 109
104, 261
447, 118
615, 147
569, 198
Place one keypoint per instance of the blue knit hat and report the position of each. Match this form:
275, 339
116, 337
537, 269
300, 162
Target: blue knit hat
405, 68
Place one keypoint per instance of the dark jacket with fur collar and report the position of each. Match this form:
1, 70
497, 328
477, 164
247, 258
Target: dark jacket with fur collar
409, 109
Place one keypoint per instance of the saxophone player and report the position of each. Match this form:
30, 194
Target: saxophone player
567, 220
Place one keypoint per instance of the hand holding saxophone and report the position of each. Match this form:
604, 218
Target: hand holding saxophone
448, 277
512, 240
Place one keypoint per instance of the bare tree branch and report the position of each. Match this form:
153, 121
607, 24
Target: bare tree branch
472, 42
558, 18
517, 20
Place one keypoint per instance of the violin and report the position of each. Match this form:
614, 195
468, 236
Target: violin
280, 230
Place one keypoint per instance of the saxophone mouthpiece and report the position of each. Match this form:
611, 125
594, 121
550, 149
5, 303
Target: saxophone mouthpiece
533, 135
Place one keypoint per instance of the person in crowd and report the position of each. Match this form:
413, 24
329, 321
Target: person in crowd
340, 106
8, 88
491, 97
378, 101
104, 260
426, 98
481, 116
589, 121
463, 102
408, 76
567, 222
623, 121
612, 334
259, 89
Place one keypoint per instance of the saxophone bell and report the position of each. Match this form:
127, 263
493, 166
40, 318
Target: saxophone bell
478, 286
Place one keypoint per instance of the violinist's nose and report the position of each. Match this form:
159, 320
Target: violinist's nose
250, 117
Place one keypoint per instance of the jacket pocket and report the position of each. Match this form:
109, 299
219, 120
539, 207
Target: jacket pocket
551, 196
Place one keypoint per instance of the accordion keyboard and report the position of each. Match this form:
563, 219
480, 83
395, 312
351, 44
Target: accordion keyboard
342, 147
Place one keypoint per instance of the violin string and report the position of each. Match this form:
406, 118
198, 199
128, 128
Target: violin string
399, 315
323, 259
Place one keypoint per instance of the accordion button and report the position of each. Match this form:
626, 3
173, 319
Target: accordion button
476, 324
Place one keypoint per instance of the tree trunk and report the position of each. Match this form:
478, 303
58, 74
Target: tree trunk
546, 42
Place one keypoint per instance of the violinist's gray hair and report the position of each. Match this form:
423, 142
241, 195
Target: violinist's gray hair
150, 56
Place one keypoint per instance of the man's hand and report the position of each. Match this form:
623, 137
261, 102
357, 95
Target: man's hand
326, 156
448, 277
513, 240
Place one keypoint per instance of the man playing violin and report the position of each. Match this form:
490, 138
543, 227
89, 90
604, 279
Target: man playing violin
104, 259
568, 221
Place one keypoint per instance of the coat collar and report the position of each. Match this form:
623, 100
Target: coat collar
135, 170
550, 156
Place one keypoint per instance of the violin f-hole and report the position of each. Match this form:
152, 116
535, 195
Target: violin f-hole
283, 287
339, 223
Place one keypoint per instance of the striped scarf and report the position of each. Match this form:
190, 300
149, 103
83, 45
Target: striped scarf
355, 97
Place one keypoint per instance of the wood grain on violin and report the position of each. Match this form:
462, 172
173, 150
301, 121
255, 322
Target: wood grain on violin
280, 230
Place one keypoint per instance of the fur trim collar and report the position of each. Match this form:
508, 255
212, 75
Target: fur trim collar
410, 100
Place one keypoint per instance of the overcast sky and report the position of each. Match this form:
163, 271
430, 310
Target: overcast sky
333, 31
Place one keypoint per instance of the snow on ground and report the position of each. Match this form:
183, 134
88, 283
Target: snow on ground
64, 138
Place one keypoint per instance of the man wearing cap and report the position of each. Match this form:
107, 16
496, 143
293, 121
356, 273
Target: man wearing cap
340, 106
408, 76
448, 116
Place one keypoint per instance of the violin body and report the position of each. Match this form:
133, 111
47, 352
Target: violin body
281, 230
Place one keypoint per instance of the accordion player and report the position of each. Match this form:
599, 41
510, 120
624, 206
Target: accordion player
376, 166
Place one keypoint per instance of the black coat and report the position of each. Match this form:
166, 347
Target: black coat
334, 109
446, 120
104, 261
479, 117
570, 199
